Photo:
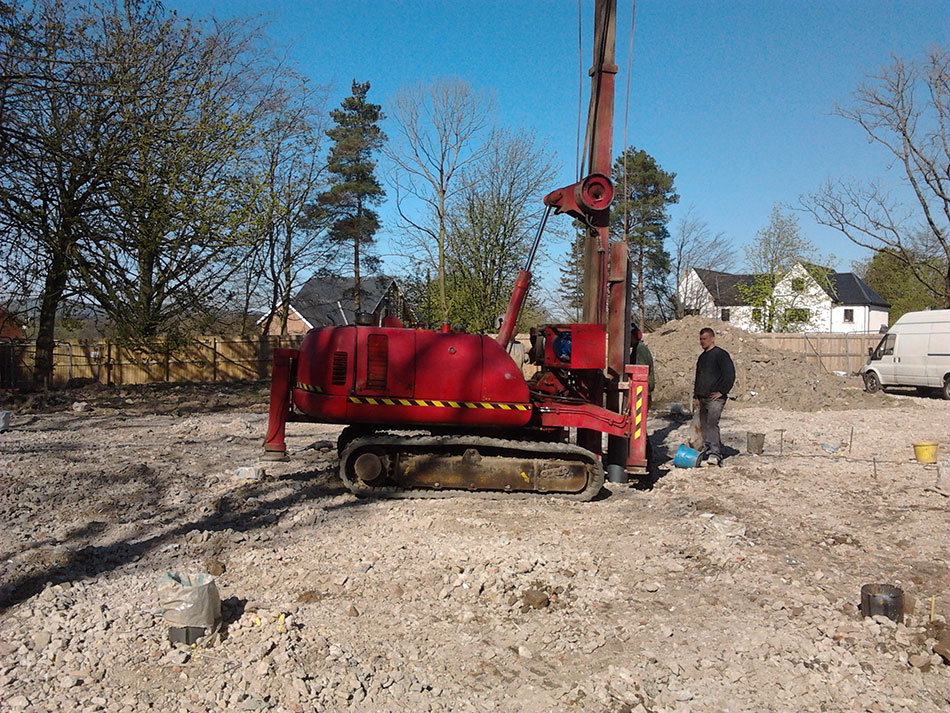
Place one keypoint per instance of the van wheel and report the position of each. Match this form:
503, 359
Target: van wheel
873, 384
945, 390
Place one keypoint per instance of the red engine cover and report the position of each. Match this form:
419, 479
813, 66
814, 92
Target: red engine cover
358, 374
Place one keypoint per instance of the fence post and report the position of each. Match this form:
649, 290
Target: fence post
214, 359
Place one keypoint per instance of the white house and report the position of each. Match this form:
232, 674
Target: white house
808, 298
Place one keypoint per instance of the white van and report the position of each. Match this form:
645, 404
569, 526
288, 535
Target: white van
914, 352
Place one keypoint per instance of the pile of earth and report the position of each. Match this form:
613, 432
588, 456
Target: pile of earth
764, 377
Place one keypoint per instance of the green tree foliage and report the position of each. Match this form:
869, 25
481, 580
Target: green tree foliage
891, 277
571, 290
642, 193
143, 157
123, 137
775, 250
491, 226
164, 245
354, 188
60, 145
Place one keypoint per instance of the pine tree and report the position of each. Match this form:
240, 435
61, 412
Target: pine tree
642, 192
571, 290
354, 187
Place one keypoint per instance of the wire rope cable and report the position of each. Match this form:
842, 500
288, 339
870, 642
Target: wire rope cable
578, 161
626, 102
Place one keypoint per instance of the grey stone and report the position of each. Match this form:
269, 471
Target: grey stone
249, 473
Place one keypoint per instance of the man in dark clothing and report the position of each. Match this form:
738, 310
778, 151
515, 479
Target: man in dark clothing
640, 354
715, 375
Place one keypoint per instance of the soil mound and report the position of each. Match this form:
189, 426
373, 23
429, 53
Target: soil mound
764, 377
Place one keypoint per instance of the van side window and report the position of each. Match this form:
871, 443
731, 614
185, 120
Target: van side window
888, 344
885, 346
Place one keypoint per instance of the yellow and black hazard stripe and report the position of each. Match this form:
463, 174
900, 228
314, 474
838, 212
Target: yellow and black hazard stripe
386, 401
638, 417
309, 387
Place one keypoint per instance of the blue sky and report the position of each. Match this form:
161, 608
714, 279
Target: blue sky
734, 97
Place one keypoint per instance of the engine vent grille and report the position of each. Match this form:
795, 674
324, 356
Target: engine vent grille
377, 347
338, 374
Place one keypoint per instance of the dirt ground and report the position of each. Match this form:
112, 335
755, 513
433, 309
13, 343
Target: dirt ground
713, 589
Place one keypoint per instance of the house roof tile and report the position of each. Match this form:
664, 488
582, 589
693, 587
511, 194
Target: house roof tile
852, 290
842, 287
725, 287
322, 298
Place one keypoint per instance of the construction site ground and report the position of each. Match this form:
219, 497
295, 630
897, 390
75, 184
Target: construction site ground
708, 589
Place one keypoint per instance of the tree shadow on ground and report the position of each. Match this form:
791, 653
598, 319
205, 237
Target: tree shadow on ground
229, 513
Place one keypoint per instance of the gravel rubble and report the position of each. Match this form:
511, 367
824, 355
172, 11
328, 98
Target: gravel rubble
713, 589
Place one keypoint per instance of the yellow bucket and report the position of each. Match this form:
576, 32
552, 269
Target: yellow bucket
926, 452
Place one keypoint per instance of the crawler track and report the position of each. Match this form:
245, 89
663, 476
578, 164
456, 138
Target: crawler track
390, 466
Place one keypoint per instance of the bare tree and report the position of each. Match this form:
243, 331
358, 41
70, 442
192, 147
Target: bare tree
693, 245
20, 277
905, 109
286, 241
439, 133
769, 257
491, 226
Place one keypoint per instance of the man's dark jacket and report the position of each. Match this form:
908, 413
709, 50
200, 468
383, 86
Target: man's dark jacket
714, 372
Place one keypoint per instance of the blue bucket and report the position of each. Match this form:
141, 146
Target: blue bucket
686, 457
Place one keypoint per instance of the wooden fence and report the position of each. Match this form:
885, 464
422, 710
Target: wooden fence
226, 359
208, 359
830, 352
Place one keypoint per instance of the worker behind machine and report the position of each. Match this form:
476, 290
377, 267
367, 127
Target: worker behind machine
640, 354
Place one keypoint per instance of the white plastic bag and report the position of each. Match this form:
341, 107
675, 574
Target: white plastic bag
189, 600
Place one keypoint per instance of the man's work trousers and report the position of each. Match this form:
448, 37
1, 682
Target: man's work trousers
709, 412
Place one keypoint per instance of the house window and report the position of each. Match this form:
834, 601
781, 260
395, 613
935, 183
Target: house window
798, 284
849, 316
724, 315
797, 314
